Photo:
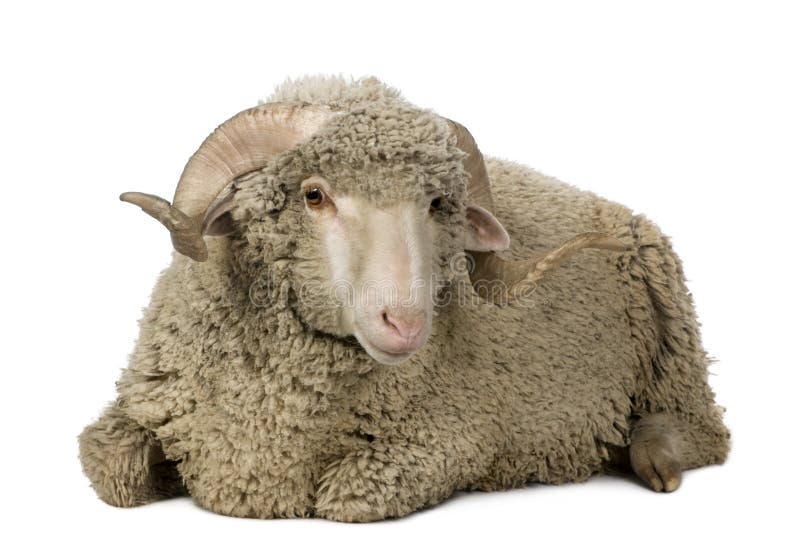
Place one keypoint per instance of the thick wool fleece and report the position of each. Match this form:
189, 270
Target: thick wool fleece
241, 390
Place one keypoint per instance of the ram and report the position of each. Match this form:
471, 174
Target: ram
363, 315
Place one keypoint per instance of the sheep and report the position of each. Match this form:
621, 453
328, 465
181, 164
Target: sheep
364, 315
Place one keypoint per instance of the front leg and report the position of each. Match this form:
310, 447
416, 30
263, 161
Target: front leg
125, 463
382, 481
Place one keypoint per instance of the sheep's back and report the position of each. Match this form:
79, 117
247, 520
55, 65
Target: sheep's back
562, 366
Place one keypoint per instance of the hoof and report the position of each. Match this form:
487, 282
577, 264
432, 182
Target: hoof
655, 463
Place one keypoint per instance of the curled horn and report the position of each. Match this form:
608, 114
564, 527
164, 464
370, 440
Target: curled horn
515, 278
502, 281
480, 189
244, 143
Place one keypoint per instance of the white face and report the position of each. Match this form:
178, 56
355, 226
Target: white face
381, 268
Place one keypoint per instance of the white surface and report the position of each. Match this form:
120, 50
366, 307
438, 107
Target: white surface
687, 112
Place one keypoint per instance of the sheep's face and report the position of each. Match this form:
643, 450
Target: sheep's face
374, 214
380, 272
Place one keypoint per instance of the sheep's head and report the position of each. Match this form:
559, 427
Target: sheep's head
366, 209
377, 206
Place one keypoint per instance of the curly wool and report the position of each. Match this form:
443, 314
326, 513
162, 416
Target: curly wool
245, 391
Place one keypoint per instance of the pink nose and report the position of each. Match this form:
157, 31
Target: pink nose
402, 328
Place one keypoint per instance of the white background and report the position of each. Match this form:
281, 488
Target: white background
687, 112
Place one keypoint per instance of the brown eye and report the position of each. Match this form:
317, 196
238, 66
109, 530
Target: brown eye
436, 204
315, 197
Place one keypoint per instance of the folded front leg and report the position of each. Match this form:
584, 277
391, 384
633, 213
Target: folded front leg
383, 481
125, 462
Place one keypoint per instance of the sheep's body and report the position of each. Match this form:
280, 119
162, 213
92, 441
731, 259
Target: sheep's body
266, 417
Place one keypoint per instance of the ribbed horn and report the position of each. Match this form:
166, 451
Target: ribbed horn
500, 280
479, 190
244, 143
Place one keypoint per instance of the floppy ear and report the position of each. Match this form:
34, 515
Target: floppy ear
484, 231
218, 220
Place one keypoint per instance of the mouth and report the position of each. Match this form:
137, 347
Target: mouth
381, 355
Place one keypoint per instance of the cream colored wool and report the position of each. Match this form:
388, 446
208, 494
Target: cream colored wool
240, 391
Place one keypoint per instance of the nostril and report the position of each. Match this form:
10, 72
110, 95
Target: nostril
387, 319
406, 326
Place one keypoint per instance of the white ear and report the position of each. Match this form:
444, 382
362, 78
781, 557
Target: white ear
484, 231
218, 220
